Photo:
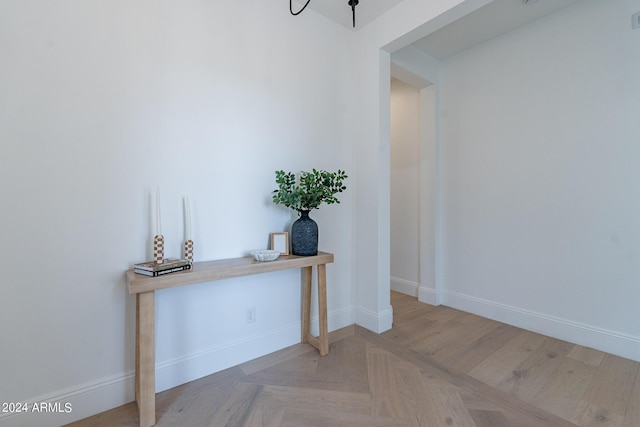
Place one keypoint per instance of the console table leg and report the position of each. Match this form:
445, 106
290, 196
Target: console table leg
145, 358
322, 310
306, 304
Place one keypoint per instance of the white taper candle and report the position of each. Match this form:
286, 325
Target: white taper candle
158, 226
187, 219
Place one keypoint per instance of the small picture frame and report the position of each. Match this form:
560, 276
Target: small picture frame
280, 242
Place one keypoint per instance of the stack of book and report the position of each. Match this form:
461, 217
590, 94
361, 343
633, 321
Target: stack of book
169, 265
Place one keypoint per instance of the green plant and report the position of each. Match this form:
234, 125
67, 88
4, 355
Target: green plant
310, 190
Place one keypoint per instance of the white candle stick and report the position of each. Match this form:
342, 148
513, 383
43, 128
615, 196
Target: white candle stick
158, 226
187, 219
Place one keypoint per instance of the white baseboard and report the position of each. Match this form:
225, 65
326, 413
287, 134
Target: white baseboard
85, 400
406, 287
423, 293
375, 322
75, 403
428, 295
613, 342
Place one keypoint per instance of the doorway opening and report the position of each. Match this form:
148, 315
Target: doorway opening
413, 186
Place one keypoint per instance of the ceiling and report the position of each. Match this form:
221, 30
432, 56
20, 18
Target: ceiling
339, 10
492, 20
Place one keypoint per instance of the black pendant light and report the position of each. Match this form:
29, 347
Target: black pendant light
351, 3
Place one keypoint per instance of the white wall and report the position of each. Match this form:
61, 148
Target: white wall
405, 188
540, 161
429, 220
100, 103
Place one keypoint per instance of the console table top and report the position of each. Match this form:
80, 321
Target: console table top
208, 271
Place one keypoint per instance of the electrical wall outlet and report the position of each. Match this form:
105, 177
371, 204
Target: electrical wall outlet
635, 21
251, 314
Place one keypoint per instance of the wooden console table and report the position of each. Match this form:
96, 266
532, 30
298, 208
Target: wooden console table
144, 287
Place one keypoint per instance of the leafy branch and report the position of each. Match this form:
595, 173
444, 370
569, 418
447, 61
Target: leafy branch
309, 190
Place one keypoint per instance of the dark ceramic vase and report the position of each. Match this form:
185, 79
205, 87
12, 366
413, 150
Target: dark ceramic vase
304, 236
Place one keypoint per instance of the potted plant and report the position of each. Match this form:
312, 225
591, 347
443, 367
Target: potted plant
303, 193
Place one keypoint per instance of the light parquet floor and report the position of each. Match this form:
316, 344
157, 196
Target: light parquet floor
437, 367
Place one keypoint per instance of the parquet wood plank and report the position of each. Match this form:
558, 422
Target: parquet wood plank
475, 352
300, 418
383, 386
303, 398
563, 392
235, 408
536, 369
457, 339
590, 415
477, 403
501, 364
282, 376
632, 414
445, 407
412, 388
586, 355
607, 398
489, 418
265, 414
188, 408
